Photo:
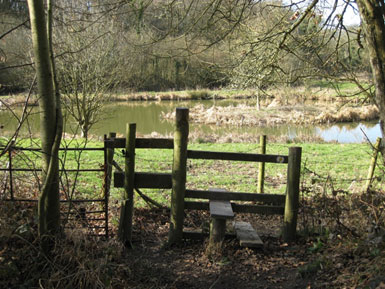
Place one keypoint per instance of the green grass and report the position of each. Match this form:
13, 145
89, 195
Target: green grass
344, 88
325, 168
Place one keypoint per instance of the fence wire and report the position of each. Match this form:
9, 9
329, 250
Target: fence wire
82, 177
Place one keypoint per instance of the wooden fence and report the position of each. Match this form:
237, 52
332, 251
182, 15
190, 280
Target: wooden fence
286, 205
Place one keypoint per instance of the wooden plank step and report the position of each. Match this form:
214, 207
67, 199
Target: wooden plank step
221, 209
246, 234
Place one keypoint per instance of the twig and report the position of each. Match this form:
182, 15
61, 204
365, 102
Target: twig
367, 139
115, 164
13, 29
148, 200
215, 282
20, 120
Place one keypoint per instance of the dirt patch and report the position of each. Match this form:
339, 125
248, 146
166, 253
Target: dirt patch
79, 262
187, 266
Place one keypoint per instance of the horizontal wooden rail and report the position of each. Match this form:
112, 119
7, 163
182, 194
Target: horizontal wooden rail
239, 208
16, 148
145, 180
142, 143
226, 156
228, 196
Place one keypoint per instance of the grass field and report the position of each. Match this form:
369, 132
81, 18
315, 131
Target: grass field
325, 168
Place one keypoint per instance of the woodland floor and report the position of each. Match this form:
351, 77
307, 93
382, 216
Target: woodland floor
187, 266
333, 260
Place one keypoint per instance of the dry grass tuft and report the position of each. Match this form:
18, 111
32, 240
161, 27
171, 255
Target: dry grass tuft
349, 114
276, 113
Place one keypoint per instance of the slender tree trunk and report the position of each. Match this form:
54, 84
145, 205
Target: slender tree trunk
50, 121
372, 15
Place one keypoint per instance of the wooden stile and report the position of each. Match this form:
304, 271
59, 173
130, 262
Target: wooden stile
179, 176
143, 143
226, 156
214, 194
145, 180
238, 208
127, 208
261, 171
247, 236
292, 194
221, 209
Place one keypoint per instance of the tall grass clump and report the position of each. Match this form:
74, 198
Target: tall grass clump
199, 94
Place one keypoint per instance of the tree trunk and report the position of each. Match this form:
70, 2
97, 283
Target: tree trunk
50, 119
372, 16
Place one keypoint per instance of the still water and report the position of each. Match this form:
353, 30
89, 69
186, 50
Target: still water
147, 116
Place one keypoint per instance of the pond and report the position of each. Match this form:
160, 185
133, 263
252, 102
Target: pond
147, 116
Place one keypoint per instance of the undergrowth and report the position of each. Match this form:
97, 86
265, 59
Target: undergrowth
344, 235
347, 233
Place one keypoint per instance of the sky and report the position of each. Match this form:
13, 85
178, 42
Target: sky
351, 16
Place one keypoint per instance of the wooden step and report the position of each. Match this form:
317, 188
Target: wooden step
221, 209
247, 236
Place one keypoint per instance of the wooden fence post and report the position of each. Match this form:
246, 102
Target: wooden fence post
373, 164
292, 194
109, 158
11, 169
261, 171
127, 208
179, 175
109, 162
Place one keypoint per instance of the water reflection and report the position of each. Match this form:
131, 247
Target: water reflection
147, 116
350, 132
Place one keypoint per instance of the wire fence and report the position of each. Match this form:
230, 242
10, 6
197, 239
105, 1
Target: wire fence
83, 192
326, 168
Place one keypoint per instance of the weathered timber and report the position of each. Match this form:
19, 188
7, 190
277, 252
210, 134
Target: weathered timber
108, 161
200, 206
221, 209
143, 143
292, 194
10, 170
226, 156
373, 162
246, 234
179, 175
217, 230
127, 207
258, 209
200, 235
214, 194
238, 208
145, 180
261, 171
194, 235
